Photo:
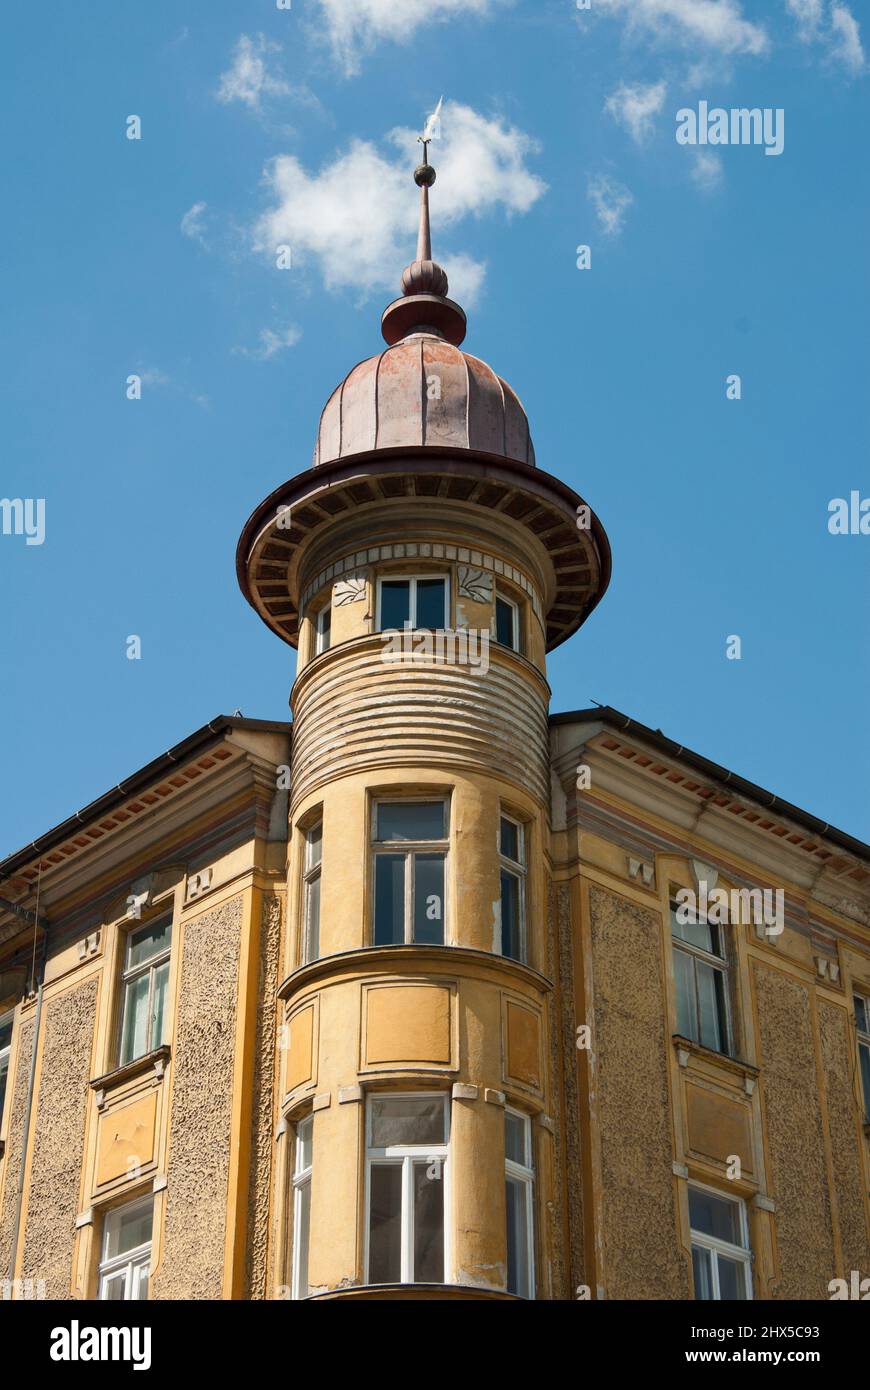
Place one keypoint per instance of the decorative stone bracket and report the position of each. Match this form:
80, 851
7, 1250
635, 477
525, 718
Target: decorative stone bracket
641, 869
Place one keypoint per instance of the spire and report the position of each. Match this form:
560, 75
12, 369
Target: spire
424, 306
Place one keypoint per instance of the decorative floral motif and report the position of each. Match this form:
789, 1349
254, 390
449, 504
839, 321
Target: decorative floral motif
474, 584
350, 590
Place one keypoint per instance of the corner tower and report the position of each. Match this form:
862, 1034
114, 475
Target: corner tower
423, 567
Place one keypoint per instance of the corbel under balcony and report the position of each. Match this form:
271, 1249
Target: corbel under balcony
686, 1049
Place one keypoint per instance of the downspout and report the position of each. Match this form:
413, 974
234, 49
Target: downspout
28, 1109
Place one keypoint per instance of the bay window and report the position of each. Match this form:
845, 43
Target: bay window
407, 1151
410, 856
416, 601
721, 1258
145, 988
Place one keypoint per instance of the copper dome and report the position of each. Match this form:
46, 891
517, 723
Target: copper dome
425, 392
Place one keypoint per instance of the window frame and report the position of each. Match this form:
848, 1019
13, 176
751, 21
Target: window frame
6, 1056
301, 1184
409, 848
519, 870
716, 962
323, 628
412, 580
129, 973
130, 1262
409, 1154
517, 644
311, 871
863, 1037
525, 1174
742, 1253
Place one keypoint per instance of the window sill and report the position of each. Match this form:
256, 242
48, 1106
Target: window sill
686, 1048
138, 1067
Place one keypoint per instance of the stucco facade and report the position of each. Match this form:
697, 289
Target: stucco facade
428, 910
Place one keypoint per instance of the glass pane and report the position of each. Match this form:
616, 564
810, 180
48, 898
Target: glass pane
864, 1053
509, 840
128, 1228
385, 1223
429, 1222
134, 1042
714, 1216
140, 1282
115, 1287
861, 1016
699, 934
518, 1270
732, 1279
410, 820
148, 941
515, 1130
504, 623
399, 1121
314, 845
4, 1073
312, 918
684, 984
301, 1237
511, 944
158, 1006
389, 899
429, 899
324, 629
5, 1033
395, 603
431, 603
303, 1145
711, 1003
703, 1271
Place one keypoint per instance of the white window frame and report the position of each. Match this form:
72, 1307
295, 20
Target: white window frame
501, 596
409, 1154
719, 963
525, 1174
741, 1253
863, 1043
149, 966
412, 580
411, 848
301, 1185
5, 1056
131, 1263
519, 870
311, 871
322, 637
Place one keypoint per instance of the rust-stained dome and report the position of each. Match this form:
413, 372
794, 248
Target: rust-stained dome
423, 391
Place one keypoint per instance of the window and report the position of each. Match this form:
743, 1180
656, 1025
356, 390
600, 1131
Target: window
323, 629
410, 853
862, 1016
507, 622
701, 980
311, 893
145, 981
5, 1049
127, 1252
406, 1161
418, 601
511, 845
519, 1179
302, 1207
721, 1256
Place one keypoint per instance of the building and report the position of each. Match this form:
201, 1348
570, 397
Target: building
431, 993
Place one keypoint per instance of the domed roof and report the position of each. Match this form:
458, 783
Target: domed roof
423, 391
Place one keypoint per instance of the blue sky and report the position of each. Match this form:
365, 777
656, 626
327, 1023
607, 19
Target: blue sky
154, 257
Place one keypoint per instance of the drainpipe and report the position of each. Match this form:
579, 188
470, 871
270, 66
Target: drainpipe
28, 1109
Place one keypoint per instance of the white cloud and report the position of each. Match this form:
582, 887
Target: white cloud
707, 171
809, 15
354, 27
191, 223
248, 79
715, 24
634, 107
846, 44
153, 376
356, 219
611, 201
272, 342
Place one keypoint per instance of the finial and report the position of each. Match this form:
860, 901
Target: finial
424, 307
